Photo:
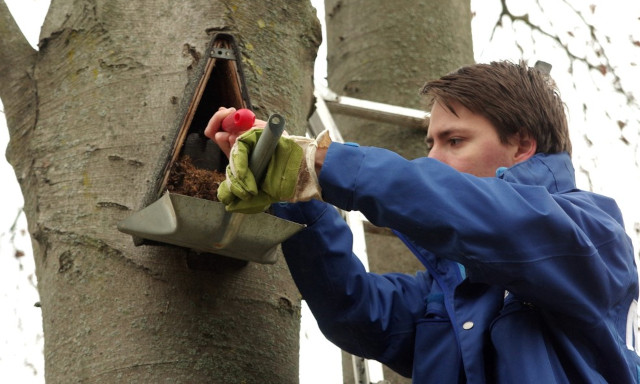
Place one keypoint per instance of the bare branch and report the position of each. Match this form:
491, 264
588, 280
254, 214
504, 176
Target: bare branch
17, 55
602, 64
17, 85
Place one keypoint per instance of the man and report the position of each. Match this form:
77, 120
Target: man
528, 279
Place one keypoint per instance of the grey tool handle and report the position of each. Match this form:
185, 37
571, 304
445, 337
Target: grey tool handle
266, 147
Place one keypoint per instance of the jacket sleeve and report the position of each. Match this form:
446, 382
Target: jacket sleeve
560, 251
369, 315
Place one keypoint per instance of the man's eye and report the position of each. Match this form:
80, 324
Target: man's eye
455, 141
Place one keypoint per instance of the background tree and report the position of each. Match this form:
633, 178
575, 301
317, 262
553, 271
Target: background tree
91, 115
384, 51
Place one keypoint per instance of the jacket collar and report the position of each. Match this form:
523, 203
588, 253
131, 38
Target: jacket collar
552, 171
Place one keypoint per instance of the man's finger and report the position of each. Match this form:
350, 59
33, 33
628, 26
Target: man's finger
213, 127
223, 139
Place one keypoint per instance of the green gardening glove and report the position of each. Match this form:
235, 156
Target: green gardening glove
240, 192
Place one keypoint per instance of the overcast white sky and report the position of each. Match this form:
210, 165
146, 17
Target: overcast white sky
21, 338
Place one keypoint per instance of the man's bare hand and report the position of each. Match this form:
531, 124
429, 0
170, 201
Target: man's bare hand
225, 140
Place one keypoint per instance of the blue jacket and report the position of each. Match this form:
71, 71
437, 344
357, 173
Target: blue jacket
528, 279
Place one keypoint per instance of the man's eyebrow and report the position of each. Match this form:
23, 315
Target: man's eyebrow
447, 132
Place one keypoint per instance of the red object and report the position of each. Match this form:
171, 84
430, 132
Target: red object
239, 121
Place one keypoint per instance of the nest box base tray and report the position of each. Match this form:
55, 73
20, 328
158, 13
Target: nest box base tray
200, 225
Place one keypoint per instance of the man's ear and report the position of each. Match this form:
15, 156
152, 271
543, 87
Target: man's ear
526, 147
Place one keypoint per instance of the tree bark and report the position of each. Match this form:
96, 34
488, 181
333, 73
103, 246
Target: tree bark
384, 51
92, 116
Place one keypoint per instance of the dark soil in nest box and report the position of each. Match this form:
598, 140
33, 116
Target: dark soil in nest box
186, 179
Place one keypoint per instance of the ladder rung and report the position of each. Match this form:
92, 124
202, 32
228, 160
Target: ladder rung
371, 110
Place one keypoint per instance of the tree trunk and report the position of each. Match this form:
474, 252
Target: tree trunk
384, 51
92, 116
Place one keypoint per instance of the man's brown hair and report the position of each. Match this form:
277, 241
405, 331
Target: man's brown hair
515, 98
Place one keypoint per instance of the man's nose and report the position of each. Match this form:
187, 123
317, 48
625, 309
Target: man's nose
435, 153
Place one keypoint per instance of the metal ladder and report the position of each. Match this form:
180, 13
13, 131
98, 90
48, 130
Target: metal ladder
328, 102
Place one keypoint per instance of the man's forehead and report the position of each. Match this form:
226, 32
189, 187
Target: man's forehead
441, 118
